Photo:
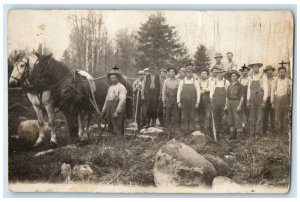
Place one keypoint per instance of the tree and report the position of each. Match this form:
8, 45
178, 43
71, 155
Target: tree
201, 58
126, 48
159, 45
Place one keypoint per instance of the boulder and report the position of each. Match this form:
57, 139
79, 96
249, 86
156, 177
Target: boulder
177, 164
151, 131
198, 138
66, 172
221, 166
82, 172
28, 131
222, 184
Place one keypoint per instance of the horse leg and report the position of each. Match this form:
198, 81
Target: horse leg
40, 116
80, 124
50, 112
85, 136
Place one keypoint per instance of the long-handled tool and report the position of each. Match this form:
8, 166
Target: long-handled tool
136, 110
214, 127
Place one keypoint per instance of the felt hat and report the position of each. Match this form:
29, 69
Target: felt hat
204, 70
243, 68
146, 69
218, 55
214, 68
141, 72
281, 67
163, 70
189, 68
229, 73
269, 67
219, 70
115, 71
172, 68
188, 64
255, 63
182, 69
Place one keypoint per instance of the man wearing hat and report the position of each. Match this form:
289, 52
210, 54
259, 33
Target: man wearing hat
181, 73
146, 71
205, 105
161, 114
218, 101
268, 110
234, 103
151, 93
218, 57
257, 95
137, 91
281, 100
230, 65
114, 106
244, 80
169, 94
188, 99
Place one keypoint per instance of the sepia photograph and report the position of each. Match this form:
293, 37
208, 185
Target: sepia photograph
150, 101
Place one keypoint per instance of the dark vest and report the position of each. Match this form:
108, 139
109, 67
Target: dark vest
148, 82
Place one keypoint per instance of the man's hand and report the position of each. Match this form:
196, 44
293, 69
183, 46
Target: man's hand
115, 115
196, 106
273, 106
179, 105
239, 108
143, 98
248, 104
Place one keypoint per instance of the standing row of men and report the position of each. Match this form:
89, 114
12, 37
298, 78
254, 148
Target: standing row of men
176, 98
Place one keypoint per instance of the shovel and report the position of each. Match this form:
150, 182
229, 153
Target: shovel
135, 125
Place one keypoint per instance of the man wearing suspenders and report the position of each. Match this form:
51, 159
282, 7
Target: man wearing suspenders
218, 100
281, 101
188, 98
256, 99
244, 80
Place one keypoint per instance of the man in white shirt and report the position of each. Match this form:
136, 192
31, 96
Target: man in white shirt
230, 65
169, 95
205, 105
114, 106
257, 95
218, 89
137, 91
218, 57
244, 81
281, 101
188, 99
269, 112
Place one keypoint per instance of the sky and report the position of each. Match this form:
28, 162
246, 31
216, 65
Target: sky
264, 36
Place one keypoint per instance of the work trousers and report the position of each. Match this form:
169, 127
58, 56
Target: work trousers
282, 107
115, 125
151, 105
269, 114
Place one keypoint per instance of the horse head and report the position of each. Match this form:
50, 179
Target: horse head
40, 69
23, 66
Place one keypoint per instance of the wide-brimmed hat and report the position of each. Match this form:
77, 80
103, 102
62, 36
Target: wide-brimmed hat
255, 63
204, 70
218, 55
189, 68
141, 72
219, 70
182, 69
243, 68
115, 71
163, 70
269, 67
189, 64
146, 69
229, 73
172, 68
214, 67
281, 67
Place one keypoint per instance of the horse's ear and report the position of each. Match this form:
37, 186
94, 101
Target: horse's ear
37, 54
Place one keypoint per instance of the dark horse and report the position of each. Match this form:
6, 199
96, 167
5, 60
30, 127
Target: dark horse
75, 93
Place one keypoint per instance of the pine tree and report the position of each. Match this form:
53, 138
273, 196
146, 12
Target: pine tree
159, 45
201, 58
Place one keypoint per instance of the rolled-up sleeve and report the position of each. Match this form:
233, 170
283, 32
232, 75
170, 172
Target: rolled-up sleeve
179, 92
122, 99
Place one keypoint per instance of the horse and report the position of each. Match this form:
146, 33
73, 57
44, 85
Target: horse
51, 84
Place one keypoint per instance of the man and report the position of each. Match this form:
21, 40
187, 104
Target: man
218, 101
281, 101
161, 114
181, 74
230, 65
205, 105
188, 99
114, 106
219, 65
268, 110
169, 94
256, 99
137, 91
244, 80
151, 94
146, 71
234, 103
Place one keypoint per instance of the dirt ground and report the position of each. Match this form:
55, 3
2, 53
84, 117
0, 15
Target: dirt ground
129, 160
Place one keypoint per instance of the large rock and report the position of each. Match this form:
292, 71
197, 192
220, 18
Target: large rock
28, 131
221, 166
82, 172
177, 164
198, 138
223, 184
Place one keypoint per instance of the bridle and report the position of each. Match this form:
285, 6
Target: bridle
25, 73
